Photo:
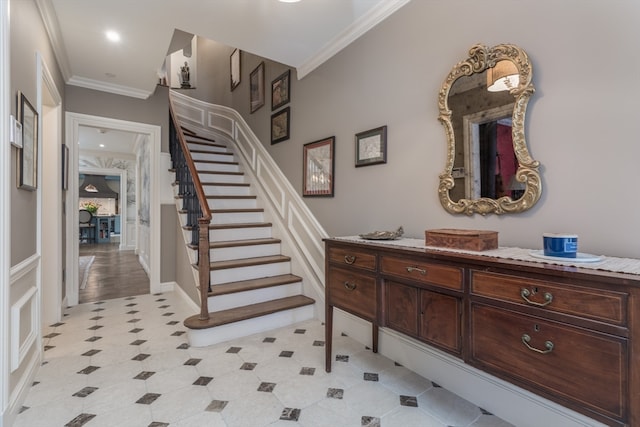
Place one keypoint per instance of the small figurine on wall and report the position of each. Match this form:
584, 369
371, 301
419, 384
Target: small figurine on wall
184, 76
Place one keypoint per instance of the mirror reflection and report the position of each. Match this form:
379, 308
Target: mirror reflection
482, 107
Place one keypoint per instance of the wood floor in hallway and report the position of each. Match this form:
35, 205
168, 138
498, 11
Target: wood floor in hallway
113, 274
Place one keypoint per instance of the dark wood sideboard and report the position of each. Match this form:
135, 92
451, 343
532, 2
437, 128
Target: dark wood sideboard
571, 335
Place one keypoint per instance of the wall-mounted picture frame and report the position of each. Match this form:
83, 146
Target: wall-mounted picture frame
371, 147
281, 90
280, 125
256, 91
65, 167
235, 68
28, 156
318, 168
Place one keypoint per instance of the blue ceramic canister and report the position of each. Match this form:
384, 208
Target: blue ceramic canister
560, 245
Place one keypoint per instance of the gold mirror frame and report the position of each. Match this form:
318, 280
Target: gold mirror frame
480, 58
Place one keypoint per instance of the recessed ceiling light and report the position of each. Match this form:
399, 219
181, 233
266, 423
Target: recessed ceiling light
101, 145
289, 1
113, 36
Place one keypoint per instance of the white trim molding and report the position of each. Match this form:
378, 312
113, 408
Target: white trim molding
19, 349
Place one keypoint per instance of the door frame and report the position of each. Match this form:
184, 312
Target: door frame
153, 132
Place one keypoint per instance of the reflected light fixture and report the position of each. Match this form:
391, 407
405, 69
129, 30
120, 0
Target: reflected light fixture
91, 188
503, 76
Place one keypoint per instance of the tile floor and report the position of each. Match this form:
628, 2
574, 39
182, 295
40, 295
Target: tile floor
126, 362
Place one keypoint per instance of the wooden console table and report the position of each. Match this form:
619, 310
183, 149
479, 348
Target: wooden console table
571, 335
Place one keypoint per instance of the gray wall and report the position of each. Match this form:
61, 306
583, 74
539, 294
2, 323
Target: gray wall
581, 124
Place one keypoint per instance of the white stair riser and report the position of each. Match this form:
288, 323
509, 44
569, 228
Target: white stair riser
227, 190
240, 252
237, 217
239, 299
205, 337
209, 148
214, 177
239, 234
233, 203
215, 157
217, 167
248, 273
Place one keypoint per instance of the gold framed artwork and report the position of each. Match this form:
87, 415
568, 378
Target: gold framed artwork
281, 90
280, 125
256, 88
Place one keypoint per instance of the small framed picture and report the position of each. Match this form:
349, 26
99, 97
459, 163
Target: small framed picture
280, 90
371, 147
318, 164
280, 123
28, 156
256, 92
235, 68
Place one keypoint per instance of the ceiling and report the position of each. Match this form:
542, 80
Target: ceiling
301, 35
101, 140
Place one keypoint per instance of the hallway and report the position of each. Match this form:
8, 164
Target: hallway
113, 274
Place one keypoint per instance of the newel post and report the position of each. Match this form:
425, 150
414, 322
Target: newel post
203, 266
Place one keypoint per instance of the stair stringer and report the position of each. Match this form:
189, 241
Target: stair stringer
300, 232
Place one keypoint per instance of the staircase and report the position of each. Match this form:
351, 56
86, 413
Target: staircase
251, 285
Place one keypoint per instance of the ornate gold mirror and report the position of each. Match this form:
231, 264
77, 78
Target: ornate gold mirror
482, 105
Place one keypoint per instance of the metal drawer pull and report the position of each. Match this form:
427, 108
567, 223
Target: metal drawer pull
350, 286
548, 344
349, 259
525, 293
419, 270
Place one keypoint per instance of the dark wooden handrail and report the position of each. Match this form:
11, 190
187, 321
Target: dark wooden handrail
203, 221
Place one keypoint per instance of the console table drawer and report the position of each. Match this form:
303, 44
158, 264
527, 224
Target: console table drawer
352, 292
424, 272
585, 367
353, 258
607, 306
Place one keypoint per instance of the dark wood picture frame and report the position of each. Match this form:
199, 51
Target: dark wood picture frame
65, 167
318, 168
281, 90
280, 125
235, 69
28, 154
256, 88
371, 147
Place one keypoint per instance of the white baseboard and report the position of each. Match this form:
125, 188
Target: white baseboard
178, 289
19, 393
167, 286
507, 401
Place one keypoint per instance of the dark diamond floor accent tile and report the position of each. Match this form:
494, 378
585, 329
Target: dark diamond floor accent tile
22, 409
436, 385
92, 352
80, 420
89, 369
161, 299
143, 375
203, 381
318, 343
343, 334
95, 327
173, 322
192, 362
168, 314
299, 331
35, 383
290, 414
234, 349
183, 346
157, 294
85, 392
51, 335
408, 401
177, 333
267, 387
138, 342
335, 393
216, 406
136, 330
367, 421
148, 398
92, 339
129, 298
158, 424
342, 358
55, 325
96, 318
286, 353
98, 303
397, 364
307, 371
269, 339
133, 304
132, 312
164, 306
133, 320
248, 366
368, 376
97, 310
140, 357
485, 412
49, 347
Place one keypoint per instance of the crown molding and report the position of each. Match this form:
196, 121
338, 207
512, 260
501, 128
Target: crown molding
51, 25
369, 20
107, 87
